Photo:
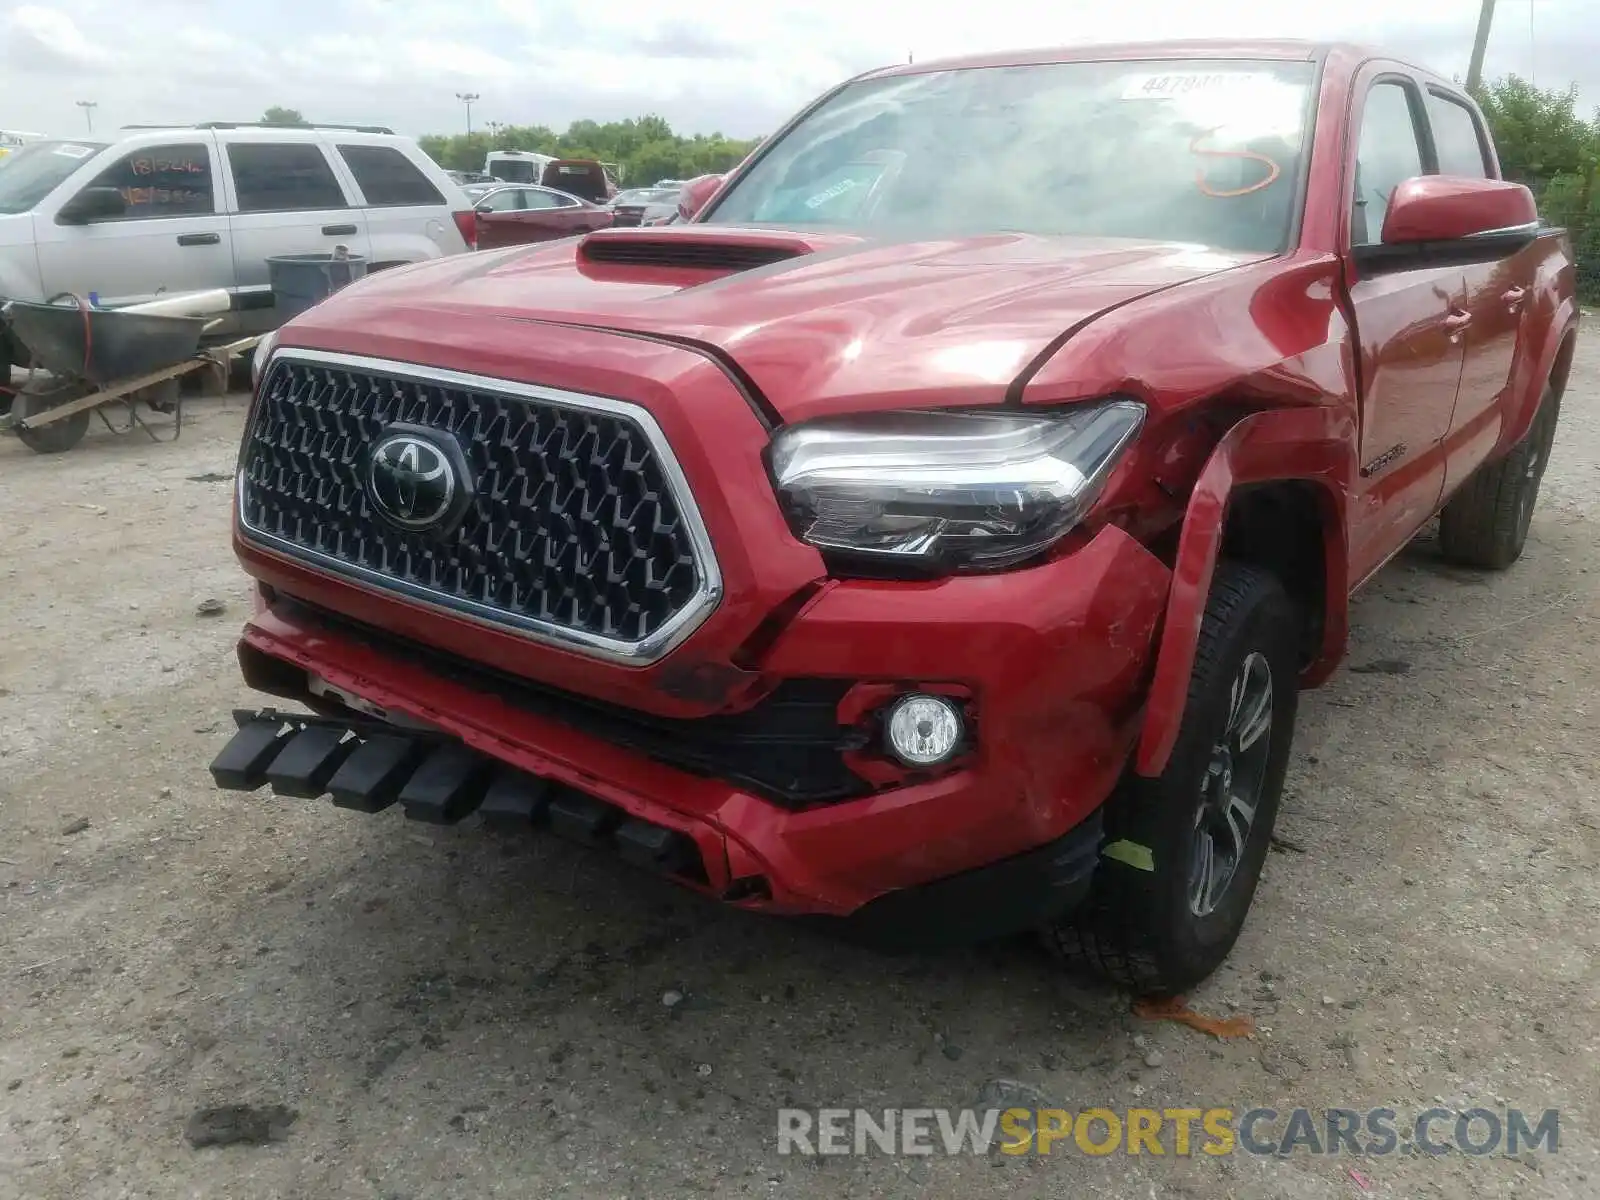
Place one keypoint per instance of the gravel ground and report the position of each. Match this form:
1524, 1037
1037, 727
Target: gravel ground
452, 1015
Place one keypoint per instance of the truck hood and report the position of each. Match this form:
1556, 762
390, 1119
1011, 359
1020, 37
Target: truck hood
837, 323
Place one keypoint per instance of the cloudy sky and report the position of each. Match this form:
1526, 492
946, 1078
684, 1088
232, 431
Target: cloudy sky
739, 66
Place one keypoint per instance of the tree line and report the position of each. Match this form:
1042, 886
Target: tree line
646, 148
1544, 142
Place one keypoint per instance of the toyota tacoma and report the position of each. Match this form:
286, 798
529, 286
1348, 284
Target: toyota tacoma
929, 534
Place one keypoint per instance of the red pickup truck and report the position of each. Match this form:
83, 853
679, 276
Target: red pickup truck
933, 533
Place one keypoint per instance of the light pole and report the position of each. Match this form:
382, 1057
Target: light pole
88, 107
1479, 45
467, 98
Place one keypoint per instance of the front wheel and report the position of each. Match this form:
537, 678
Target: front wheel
58, 436
1184, 851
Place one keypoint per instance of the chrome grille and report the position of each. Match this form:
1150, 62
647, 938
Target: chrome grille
580, 528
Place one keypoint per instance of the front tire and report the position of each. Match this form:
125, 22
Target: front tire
1185, 850
1486, 523
59, 436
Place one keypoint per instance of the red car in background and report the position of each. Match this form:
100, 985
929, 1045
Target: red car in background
513, 216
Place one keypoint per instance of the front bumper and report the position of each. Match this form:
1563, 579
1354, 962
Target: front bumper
369, 766
1055, 660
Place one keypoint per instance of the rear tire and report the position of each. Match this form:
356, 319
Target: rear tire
1485, 524
1167, 905
59, 436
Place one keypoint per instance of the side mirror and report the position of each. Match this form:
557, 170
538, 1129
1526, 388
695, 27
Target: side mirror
93, 204
483, 210
1451, 219
696, 194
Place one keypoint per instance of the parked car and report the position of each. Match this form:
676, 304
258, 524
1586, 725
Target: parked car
186, 208
644, 206
582, 177
466, 178
510, 216
935, 543
516, 166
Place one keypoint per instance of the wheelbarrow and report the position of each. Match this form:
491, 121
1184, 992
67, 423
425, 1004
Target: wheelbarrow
87, 358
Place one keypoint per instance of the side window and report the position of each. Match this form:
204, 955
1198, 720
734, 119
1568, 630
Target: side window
560, 201
283, 177
388, 178
1456, 138
504, 200
162, 181
543, 200
1388, 155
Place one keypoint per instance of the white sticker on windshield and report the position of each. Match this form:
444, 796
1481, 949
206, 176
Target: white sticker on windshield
70, 151
1176, 84
833, 193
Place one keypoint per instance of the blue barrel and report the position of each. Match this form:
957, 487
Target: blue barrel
300, 281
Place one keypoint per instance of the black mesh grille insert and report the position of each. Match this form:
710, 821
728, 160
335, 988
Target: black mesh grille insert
684, 252
572, 524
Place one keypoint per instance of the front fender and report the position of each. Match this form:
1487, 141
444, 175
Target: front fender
1312, 445
19, 260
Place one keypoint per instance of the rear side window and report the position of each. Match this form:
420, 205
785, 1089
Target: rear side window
1389, 154
162, 181
283, 177
1455, 137
388, 178
543, 200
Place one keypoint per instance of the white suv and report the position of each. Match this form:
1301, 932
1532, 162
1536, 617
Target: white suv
177, 209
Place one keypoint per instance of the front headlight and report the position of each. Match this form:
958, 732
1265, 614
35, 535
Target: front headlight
258, 360
948, 490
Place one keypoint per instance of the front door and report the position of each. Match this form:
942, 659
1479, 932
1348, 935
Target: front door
1410, 325
172, 236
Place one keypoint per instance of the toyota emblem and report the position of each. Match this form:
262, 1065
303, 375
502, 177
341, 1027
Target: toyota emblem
412, 481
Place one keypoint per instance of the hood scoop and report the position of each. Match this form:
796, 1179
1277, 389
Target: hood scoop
690, 248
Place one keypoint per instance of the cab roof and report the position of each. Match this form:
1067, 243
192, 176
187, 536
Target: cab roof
1348, 54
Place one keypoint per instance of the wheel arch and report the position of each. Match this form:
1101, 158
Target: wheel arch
1552, 365
1276, 492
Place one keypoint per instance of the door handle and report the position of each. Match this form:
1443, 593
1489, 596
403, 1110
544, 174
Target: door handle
1457, 323
1514, 298
339, 230
199, 239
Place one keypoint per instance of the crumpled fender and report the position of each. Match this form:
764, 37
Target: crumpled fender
1314, 445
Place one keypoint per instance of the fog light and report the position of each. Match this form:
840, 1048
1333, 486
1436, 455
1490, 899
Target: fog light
923, 731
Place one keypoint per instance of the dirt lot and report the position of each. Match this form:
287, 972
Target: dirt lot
451, 1015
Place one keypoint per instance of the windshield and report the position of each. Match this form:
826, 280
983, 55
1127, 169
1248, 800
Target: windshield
1201, 151
33, 172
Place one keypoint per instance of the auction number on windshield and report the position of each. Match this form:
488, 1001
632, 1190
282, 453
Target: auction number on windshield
1187, 83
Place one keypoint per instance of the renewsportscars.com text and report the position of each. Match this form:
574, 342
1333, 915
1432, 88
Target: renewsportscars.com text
1181, 1132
